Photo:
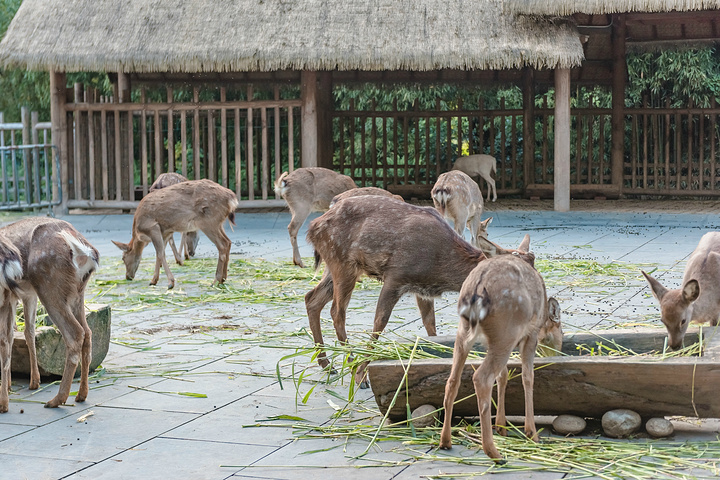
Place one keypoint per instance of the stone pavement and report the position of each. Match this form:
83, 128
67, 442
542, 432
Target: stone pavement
140, 427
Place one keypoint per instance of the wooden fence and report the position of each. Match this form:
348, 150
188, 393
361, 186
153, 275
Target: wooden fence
116, 150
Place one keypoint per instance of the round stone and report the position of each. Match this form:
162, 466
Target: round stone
659, 427
424, 416
569, 424
620, 423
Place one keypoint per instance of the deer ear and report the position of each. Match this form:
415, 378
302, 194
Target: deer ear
658, 290
691, 291
524, 246
489, 248
486, 222
121, 246
554, 309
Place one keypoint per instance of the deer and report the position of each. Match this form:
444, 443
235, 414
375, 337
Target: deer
504, 299
356, 192
10, 274
479, 165
457, 197
188, 206
188, 240
307, 190
698, 300
411, 249
56, 264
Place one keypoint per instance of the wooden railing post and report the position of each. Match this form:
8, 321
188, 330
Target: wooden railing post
619, 72
309, 118
528, 88
58, 99
562, 140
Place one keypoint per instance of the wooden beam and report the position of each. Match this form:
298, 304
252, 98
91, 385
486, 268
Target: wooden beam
325, 126
58, 99
617, 151
528, 88
562, 140
123, 87
309, 118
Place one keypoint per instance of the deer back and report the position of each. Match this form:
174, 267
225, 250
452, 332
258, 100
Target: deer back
475, 165
505, 297
395, 242
455, 192
186, 206
166, 179
312, 186
357, 192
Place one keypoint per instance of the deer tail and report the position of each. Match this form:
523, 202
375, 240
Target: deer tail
280, 185
84, 256
318, 260
476, 308
10, 269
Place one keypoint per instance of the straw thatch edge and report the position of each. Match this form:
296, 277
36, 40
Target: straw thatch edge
598, 7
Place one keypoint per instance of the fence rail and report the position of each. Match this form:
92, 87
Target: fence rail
26, 177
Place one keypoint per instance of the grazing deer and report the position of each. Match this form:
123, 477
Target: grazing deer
10, 275
188, 240
504, 299
410, 249
57, 262
357, 192
457, 197
188, 206
479, 165
309, 190
699, 298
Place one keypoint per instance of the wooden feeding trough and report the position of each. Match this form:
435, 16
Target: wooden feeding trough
51, 347
576, 384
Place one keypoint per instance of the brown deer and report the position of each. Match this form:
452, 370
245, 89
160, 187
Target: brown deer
188, 206
57, 262
10, 275
357, 192
698, 300
307, 190
410, 249
457, 197
188, 240
479, 166
503, 299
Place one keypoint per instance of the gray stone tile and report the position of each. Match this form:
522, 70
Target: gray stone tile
103, 435
24, 467
8, 430
164, 458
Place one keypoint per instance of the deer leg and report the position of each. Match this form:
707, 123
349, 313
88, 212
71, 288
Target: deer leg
463, 342
218, 236
73, 334
491, 186
298, 218
389, 296
159, 243
500, 420
29, 311
176, 254
483, 380
427, 313
315, 301
78, 310
7, 320
527, 352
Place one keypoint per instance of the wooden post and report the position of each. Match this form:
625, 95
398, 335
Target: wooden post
309, 118
619, 72
324, 118
528, 87
123, 82
562, 139
58, 99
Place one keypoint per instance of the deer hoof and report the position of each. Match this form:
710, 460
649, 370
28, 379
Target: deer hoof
298, 262
34, 385
54, 403
3, 408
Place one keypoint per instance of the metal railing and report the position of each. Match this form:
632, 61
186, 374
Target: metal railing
26, 177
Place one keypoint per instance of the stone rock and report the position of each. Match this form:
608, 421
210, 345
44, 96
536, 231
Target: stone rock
569, 424
620, 423
423, 416
659, 427
51, 347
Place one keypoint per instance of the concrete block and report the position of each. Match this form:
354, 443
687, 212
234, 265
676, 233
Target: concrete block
51, 347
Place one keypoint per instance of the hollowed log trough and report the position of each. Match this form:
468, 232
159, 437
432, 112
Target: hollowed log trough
576, 384
51, 347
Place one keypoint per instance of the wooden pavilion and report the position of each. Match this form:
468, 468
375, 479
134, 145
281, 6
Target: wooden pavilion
112, 147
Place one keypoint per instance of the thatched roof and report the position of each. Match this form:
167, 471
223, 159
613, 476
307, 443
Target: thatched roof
596, 7
269, 35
